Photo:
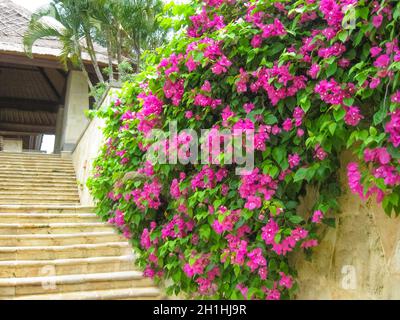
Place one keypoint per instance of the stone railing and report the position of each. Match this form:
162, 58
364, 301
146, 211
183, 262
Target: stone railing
87, 148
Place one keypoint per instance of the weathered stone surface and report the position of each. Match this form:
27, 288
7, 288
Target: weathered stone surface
359, 259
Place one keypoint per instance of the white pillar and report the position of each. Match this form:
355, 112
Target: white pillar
59, 129
76, 102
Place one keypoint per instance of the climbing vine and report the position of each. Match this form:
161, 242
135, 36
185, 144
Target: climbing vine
311, 78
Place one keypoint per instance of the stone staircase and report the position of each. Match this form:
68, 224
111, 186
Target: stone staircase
53, 248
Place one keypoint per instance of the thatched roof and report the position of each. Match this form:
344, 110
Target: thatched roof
14, 21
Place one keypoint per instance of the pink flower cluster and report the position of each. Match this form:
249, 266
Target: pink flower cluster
207, 286
228, 221
146, 197
287, 84
197, 268
174, 91
353, 116
207, 178
178, 227
256, 187
270, 231
202, 23
119, 221
393, 127
268, 30
331, 92
332, 12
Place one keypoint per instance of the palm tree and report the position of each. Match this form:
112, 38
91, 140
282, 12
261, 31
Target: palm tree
66, 25
124, 27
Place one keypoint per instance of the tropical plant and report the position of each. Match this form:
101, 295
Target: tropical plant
310, 79
124, 27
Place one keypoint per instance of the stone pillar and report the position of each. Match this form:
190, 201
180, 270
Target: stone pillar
76, 102
59, 129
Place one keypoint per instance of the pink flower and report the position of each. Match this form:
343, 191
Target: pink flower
396, 97
188, 114
256, 41
300, 132
248, 107
375, 51
332, 12
309, 244
294, 160
378, 154
269, 231
285, 281
377, 20
206, 86
393, 128
253, 203
382, 61
374, 83
354, 179
314, 70
317, 216
353, 116
287, 124
256, 259
320, 152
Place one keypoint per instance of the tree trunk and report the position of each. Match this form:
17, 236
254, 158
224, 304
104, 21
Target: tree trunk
92, 54
110, 57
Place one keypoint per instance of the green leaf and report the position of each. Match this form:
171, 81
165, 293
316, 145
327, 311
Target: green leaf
295, 219
331, 70
379, 116
300, 174
332, 128
205, 231
348, 101
339, 113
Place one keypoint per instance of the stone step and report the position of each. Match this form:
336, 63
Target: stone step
34, 174
52, 228
42, 189
46, 208
30, 154
38, 194
20, 240
4, 182
38, 201
37, 268
47, 217
65, 252
72, 283
31, 157
150, 293
40, 162
33, 171
36, 164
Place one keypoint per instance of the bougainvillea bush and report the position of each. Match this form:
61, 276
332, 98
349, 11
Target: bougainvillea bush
312, 78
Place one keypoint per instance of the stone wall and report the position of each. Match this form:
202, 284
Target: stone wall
88, 147
359, 259
83, 156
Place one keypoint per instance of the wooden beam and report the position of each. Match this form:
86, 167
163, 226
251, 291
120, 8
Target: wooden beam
17, 133
27, 104
28, 128
26, 61
50, 83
